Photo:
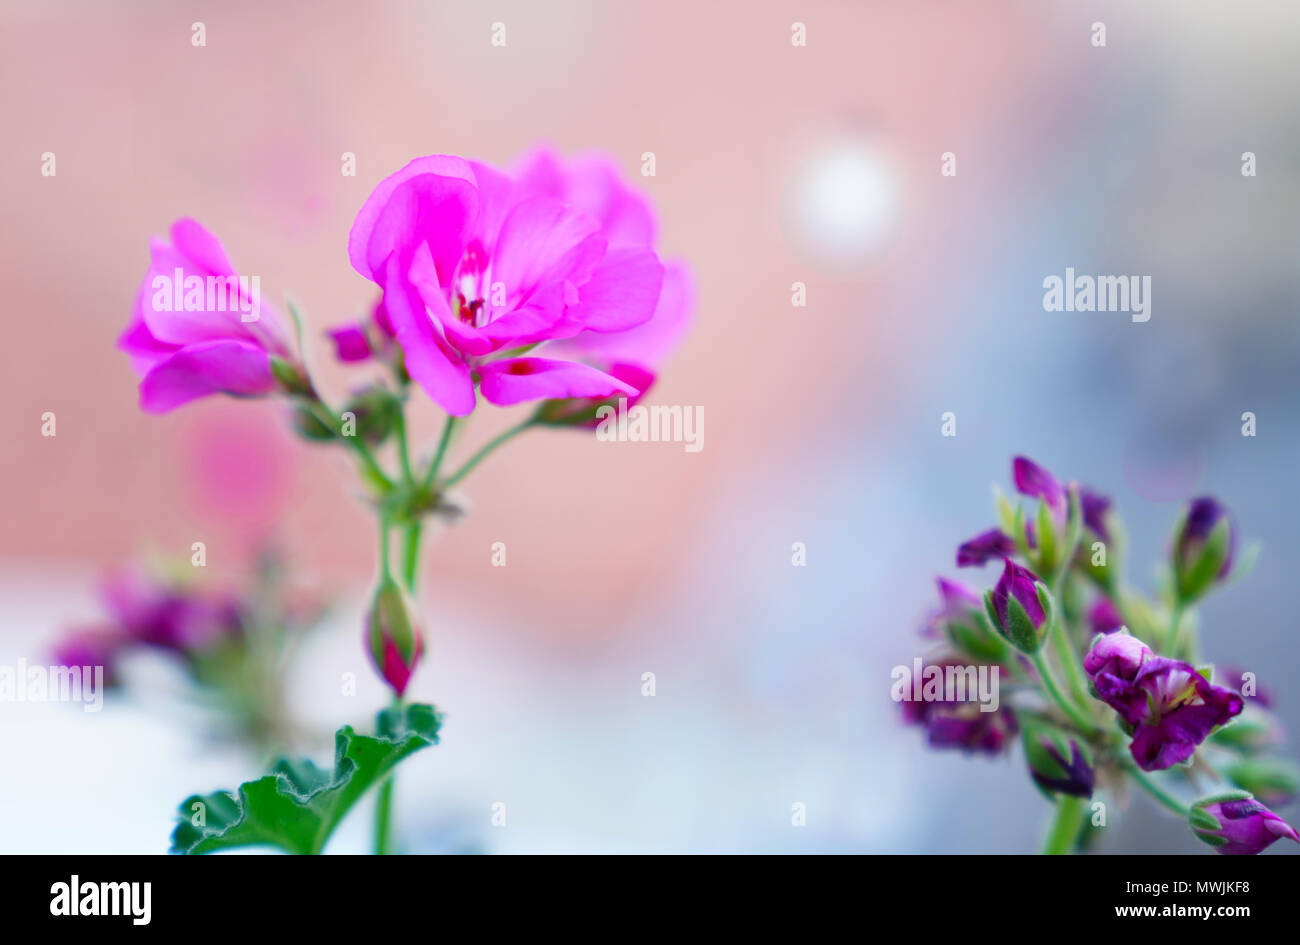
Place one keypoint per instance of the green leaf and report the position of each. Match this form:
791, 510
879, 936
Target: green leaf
297, 806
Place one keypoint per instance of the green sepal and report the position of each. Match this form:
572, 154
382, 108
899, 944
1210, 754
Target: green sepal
1019, 629
1251, 731
290, 376
311, 427
1192, 579
1273, 780
975, 640
376, 412
296, 807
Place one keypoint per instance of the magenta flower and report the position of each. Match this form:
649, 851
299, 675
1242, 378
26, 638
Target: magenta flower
1170, 707
1238, 825
593, 185
476, 268
983, 547
198, 327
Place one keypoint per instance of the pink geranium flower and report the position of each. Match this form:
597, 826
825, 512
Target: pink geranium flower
478, 268
198, 327
593, 185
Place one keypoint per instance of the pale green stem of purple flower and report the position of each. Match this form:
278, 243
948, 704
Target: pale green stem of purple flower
1063, 835
1161, 796
1072, 712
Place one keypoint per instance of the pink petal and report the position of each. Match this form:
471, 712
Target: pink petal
596, 186
432, 199
621, 294
210, 367
515, 380
142, 348
591, 183
648, 343
192, 240
433, 365
185, 326
496, 195
543, 242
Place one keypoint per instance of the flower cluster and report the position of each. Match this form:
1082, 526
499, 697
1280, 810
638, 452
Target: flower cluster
1106, 684
542, 283
539, 284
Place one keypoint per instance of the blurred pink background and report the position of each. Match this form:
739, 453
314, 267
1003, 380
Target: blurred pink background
775, 164
246, 135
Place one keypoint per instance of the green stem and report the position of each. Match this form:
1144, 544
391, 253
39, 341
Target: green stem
384, 526
384, 818
1170, 647
377, 477
1063, 836
411, 555
404, 454
1085, 724
485, 451
443, 442
1165, 799
1065, 652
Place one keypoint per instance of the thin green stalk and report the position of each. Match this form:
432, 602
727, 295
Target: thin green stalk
1085, 724
1069, 659
1063, 835
1171, 632
485, 451
384, 526
372, 469
384, 818
1165, 799
411, 555
443, 442
403, 453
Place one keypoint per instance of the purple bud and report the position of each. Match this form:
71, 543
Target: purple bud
392, 636
1104, 616
1035, 481
1051, 770
1238, 826
1094, 507
1198, 563
984, 546
1020, 584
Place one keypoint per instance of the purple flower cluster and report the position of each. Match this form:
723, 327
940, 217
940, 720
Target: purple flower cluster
1060, 623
